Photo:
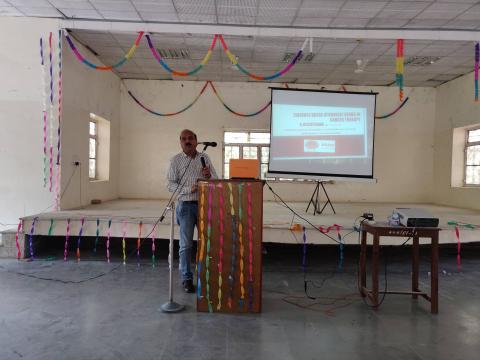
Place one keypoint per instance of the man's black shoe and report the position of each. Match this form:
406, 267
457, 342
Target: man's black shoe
188, 286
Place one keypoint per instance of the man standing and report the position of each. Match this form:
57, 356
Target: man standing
185, 169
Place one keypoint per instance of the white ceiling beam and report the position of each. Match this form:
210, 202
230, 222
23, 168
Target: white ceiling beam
128, 26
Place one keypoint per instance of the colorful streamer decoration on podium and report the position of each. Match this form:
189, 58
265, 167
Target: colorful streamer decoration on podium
202, 241
234, 61
204, 62
399, 67
477, 61
240, 243
250, 246
231, 276
125, 58
67, 238
221, 240
207, 257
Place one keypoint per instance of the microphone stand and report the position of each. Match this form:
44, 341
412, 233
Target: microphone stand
171, 306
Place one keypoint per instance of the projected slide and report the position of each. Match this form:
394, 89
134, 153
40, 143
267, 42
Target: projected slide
321, 133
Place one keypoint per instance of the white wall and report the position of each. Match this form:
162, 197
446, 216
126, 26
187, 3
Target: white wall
87, 91
21, 136
455, 108
403, 143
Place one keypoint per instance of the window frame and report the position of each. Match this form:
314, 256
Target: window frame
259, 147
465, 165
94, 137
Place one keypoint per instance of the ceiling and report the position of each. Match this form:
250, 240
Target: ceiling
334, 60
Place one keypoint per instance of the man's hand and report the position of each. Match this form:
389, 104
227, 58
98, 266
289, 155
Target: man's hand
194, 188
206, 172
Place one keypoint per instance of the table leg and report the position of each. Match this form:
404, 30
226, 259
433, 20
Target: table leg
375, 258
415, 262
434, 275
363, 259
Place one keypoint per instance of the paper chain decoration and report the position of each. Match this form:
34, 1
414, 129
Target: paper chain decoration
399, 66
208, 82
477, 61
208, 55
126, 57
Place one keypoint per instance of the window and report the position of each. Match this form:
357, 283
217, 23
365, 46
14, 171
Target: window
246, 145
98, 148
92, 150
472, 157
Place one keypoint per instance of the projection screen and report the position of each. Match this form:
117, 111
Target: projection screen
321, 134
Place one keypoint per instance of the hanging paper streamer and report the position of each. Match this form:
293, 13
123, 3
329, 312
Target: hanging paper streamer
235, 112
125, 58
108, 239
304, 257
250, 246
97, 233
204, 62
233, 60
221, 240
459, 249
231, 276
240, 243
82, 222
50, 229
17, 244
153, 244
462, 224
32, 231
67, 237
169, 114
341, 246
477, 61
209, 233
202, 241
59, 115
138, 242
399, 67
51, 110
124, 231
393, 112
44, 116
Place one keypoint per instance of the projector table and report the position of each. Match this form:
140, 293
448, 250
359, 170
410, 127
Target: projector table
383, 229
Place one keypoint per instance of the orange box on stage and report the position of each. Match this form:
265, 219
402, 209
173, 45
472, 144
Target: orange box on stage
244, 169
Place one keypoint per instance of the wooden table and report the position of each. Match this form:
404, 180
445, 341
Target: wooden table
383, 229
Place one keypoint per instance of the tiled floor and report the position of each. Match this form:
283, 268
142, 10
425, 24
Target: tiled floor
116, 315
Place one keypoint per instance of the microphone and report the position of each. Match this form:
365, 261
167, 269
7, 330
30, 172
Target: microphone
208, 143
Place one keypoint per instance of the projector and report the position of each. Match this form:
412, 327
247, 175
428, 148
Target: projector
415, 217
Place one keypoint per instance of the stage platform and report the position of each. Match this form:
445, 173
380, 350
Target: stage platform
277, 221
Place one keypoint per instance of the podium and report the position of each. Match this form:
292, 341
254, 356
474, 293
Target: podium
229, 251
